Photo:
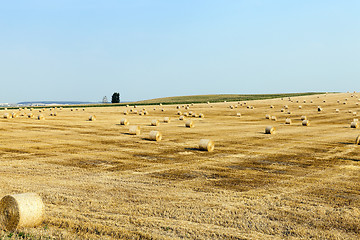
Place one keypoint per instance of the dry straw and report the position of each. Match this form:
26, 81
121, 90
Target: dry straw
134, 130
124, 121
354, 124
155, 136
155, 122
306, 123
21, 210
206, 145
92, 118
166, 119
269, 130
288, 121
189, 124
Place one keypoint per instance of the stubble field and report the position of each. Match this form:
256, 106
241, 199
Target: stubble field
99, 182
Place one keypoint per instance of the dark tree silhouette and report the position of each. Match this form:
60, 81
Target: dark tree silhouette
115, 98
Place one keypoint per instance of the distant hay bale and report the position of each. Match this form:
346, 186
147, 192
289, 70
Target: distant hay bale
190, 113
31, 109
7, 115
208, 102
271, 106
124, 121
273, 118
166, 119
236, 106
186, 114
238, 114
304, 101
92, 118
30, 115
338, 101
324, 101
41, 117
14, 115
146, 112
354, 113
83, 109
71, 109
182, 117
300, 107
160, 104
5, 109
126, 112
337, 110
306, 123
186, 107
286, 107
201, 115
134, 130
251, 107
303, 118
288, 112
267, 116
135, 111
319, 109
179, 113
344, 103
141, 113
155, 136
349, 111
135, 106
206, 145
194, 115
269, 130
155, 122
177, 107
354, 125
311, 101
21, 210
231, 107
163, 110
189, 124
357, 141
127, 105
288, 121
282, 110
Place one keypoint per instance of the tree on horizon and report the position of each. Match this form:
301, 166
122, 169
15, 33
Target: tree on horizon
115, 98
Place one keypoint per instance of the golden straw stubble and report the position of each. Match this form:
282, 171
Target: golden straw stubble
269, 130
21, 210
155, 136
206, 145
134, 130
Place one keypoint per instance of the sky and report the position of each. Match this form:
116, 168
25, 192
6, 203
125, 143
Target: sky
82, 50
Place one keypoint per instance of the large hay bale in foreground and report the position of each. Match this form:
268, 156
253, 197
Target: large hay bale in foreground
206, 145
124, 122
21, 210
306, 123
357, 141
155, 136
189, 124
354, 124
269, 130
155, 122
134, 130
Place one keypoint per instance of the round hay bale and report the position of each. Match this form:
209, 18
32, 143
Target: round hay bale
5, 109
267, 116
300, 107
155, 136
134, 130
182, 117
354, 113
166, 119
7, 115
337, 110
14, 115
238, 114
354, 125
303, 117
124, 122
135, 106
251, 107
146, 112
30, 115
21, 210
177, 107
190, 113
194, 115
273, 118
304, 101
288, 121
282, 110
206, 145
236, 106
155, 122
201, 115
286, 107
311, 101
126, 112
231, 107
186, 114
135, 111
71, 109
269, 130
92, 118
357, 141
141, 113
41, 117
163, 110
189, 124
179, 113
344, 103
306, 123
288, 112
319, 109
83, 109
271, 106
338, 101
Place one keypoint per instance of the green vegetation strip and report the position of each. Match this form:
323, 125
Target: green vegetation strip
189, 99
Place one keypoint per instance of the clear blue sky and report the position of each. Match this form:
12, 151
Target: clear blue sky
85, 49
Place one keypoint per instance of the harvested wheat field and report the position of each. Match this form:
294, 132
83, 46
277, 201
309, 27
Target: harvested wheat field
99, 182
